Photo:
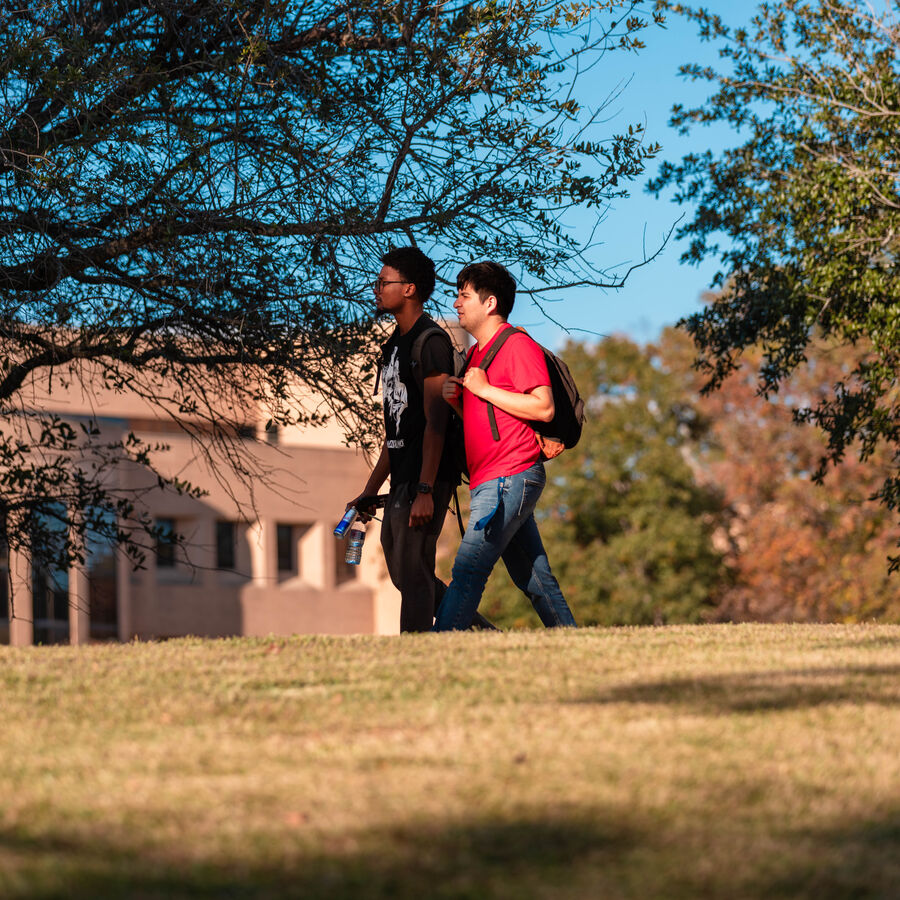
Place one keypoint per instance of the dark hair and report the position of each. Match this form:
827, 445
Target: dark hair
488, 278
414, 266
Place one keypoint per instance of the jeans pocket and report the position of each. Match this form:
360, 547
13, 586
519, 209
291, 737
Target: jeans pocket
531, 492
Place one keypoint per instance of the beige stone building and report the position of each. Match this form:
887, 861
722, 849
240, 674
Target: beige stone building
260, 556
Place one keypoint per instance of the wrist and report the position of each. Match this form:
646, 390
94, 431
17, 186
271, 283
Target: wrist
423, 487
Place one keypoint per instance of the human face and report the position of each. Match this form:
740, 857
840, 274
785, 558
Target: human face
390, 290
471, 310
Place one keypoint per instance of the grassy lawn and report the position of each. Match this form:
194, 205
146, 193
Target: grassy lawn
716, 761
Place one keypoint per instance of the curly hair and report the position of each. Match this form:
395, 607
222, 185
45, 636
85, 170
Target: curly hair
414, 266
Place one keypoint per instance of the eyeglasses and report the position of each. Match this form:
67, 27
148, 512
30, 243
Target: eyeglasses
380, 283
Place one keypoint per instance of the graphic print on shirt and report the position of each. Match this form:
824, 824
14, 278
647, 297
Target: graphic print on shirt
395, 396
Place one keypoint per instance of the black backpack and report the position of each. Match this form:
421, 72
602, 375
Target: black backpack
454, 435
563, 431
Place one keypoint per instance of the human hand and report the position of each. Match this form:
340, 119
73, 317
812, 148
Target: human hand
451, 389
476, 382
364, 511
422, 510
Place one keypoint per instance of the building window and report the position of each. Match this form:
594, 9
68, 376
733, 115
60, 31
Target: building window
287, 549
49, 575
165, 543
50, 604
226, 545
103, 586
289, 541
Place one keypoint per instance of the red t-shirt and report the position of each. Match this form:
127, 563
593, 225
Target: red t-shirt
519, 367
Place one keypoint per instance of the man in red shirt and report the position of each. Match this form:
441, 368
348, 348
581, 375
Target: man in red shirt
506, 475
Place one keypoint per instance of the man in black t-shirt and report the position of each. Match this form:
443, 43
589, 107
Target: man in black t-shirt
415, 418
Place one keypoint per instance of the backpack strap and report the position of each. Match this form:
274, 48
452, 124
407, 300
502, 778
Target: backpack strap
416, 352
501, 339
462, 528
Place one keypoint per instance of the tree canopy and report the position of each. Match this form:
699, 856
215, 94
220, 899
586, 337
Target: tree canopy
803, 213
798, 551
196, 193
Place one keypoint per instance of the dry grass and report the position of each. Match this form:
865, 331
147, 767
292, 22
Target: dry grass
742, 761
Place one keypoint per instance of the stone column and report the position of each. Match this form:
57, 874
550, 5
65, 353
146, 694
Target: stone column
123, 595
79, 605
259, 544
321, 550
21, 608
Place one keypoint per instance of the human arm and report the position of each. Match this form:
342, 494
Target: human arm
452, 392
376, 479
534, 405
436, 412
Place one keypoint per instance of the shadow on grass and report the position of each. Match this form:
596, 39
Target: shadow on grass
479, 861
520, 859
764, 691
860, 641
858, 860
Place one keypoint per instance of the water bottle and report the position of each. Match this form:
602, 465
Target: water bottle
355, 546
341, 528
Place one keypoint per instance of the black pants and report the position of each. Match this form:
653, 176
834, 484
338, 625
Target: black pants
409, 554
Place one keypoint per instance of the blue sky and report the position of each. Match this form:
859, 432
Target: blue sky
661, 292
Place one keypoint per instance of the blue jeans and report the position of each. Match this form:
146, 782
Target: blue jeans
501, 525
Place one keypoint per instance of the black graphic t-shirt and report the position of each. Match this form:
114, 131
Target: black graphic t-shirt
404, 402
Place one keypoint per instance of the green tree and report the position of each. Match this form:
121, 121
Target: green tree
804, 212
195, 192
628, 525
799, 551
